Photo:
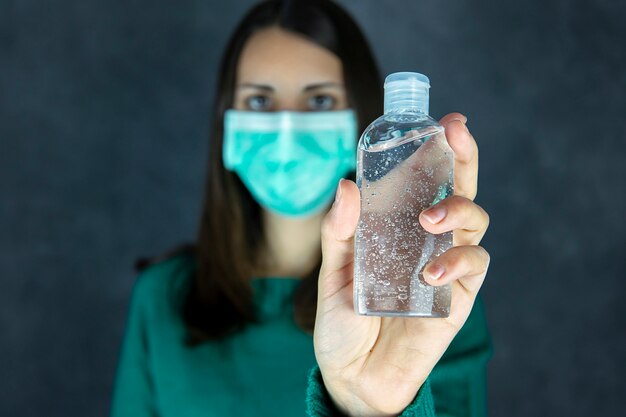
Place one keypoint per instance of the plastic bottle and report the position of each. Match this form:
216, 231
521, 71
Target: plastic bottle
404, 165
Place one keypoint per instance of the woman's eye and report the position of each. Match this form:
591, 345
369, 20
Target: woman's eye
321, 102
259, 103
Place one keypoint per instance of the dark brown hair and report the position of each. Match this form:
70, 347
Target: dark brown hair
231, 233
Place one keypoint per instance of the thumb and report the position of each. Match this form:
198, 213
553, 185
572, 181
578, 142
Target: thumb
338, 229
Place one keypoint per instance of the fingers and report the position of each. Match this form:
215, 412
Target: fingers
465, 155
467, 264
338, 229
467, 219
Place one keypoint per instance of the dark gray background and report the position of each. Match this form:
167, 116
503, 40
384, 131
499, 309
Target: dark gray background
103, 142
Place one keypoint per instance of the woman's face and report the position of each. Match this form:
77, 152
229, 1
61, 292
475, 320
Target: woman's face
280, 70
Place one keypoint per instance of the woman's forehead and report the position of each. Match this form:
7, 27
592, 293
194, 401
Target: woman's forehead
285, 60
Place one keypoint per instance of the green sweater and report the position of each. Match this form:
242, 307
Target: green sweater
268, 369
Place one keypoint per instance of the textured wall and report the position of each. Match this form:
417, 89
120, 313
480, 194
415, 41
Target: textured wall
103, 124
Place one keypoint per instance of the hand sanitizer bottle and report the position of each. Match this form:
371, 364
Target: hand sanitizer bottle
404, 165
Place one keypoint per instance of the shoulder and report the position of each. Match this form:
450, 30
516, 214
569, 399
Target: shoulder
163, 284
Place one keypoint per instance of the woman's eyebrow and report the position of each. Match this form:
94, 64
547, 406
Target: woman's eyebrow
257, 86
322, 85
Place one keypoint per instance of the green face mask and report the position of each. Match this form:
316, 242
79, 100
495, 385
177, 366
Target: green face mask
290, 161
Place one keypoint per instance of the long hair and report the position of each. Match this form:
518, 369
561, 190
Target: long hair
231, 235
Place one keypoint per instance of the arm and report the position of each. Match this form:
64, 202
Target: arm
133, 391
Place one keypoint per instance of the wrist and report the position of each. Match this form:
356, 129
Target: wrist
347, 400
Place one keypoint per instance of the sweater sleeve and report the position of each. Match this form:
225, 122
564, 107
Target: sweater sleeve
133, 390
319, 404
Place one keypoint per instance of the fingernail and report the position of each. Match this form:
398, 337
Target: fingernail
464, 124
434, 271
462, 119
435, 214
338, 193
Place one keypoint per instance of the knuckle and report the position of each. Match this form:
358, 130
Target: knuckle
486, 258
461, 207
476, 215
487, 218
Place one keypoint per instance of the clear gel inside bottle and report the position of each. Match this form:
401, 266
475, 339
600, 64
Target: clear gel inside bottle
404, 166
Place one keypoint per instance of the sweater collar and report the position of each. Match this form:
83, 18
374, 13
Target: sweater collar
273, 296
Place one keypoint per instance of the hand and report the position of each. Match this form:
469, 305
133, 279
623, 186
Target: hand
374, 366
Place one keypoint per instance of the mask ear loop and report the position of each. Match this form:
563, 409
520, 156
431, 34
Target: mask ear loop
229, 154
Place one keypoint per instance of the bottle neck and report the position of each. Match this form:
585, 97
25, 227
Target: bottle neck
407, 99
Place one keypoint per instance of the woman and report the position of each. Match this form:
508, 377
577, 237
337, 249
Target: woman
223, 327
